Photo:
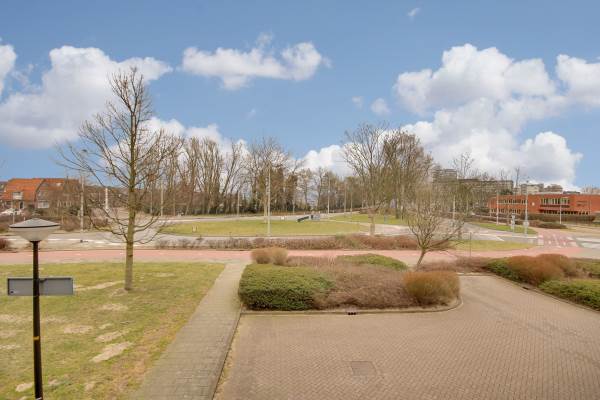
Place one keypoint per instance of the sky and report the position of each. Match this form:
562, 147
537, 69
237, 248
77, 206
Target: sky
514, 83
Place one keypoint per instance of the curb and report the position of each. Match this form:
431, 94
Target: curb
408, 310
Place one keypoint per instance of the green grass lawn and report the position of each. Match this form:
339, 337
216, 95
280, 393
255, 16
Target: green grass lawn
257, 227
490, 245
503, 227
379, 219
79, 331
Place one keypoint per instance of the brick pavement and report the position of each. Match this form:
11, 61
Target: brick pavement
191, 365
504, 342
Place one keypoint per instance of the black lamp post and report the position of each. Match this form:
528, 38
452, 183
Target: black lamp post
35, 230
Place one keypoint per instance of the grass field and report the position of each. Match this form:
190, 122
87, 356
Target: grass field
503, 227
257, 227
490, 245
379, 219
98, 343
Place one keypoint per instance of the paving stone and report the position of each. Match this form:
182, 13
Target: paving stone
504, 342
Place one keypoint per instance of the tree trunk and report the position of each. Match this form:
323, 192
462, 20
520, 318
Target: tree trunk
423, 251
129, 251
372, 224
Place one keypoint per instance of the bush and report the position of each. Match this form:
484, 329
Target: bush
261, 256
374, 259
431, 288
278, 255
534, 270
589, 266
568, 266
269, 255
586, 292
281, 288
461, 264
5, 244
551, 225
500, 267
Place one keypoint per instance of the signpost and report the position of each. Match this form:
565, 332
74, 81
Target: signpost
51, 286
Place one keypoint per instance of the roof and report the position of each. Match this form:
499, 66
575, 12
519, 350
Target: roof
28, 186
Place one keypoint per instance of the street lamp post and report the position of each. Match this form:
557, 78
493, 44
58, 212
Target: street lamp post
35, 230
526, 222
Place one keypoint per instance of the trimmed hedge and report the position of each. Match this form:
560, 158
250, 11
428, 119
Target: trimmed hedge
267, 286
589, 265
374, 259
586, 292
500, 267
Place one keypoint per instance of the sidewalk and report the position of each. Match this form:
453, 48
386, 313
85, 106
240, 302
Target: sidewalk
191, 365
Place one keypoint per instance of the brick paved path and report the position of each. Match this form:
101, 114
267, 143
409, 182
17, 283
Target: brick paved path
503, 343
191, 365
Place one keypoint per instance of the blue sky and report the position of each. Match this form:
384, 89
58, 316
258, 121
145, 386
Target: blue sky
363, 49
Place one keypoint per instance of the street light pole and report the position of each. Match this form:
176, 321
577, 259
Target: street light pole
526, 222
37, 340
81, 203
328, 192
497, 207
35, 230
269, 204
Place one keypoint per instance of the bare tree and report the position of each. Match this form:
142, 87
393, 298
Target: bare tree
365, 154
120, 151
409, 165
428, 221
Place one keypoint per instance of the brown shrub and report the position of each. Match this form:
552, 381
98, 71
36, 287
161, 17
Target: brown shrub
431, 288
278, 255
312, 261
461, 264
261, 256
568, 266
5, 244
534, 270
363, 287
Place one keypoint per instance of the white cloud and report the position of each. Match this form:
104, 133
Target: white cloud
7, 62
468, 74
357, 101
380, 107
581, 78
481, 100
236, 68
330, 157
413, 13
72, 90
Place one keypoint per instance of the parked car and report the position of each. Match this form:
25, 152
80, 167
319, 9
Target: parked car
11, 211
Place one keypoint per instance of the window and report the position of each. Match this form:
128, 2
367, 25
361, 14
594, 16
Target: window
43, 204
17, 195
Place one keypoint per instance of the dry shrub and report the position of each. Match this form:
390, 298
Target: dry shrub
278, 255
534, 270
384, 242
461, 264
433, 287
5, 244
363, 287
261, 256
302, 261
568, 266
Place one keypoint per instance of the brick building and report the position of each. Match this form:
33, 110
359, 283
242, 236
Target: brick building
547, 203
39, 193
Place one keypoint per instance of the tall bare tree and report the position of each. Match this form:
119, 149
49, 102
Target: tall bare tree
123, 154
365, 153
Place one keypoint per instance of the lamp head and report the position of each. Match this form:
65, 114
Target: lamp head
35, 229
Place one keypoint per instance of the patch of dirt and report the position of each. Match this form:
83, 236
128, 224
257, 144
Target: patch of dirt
113, 307
13, 319
60, 320
164, 274
110, 351
77, 329
54, 383
109, 337
9, 346
98, 286
89, 386
7, 334
104, 326
24, 386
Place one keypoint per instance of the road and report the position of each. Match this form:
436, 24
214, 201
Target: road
504, 342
